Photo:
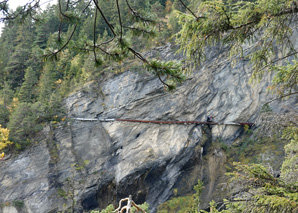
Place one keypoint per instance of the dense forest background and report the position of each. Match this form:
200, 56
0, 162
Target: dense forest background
32, 85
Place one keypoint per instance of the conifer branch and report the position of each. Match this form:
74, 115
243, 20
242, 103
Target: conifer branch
26, 10
67, 42
94, 36
120, 21
190, 10
60, 10
138, 55
136, 14
164, 83
138, 29
104, 18
106, 42
281, 97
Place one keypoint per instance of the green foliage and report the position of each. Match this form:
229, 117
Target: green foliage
4, 115
18, 203
183, 204
285, 80
269, 194
24, 123
170, 69
198, 188
177, 204
263, 24
71, 38
62, 193
289, 169
17, 62
144, 206
261, 190
110, 208
6, 94
266, 108
26, 93
253, 146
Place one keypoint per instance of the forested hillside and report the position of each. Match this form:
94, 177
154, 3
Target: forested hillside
35, 78
158, 60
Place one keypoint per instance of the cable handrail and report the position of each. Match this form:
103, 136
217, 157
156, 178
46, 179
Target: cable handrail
164, 122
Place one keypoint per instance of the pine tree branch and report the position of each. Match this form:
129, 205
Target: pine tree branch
281, 97
60, 10
67, 42
23, 11
137, 29
136, 14
138, 55
120, 21
94, 36
189, 10
164, 83
106, 42
104, 18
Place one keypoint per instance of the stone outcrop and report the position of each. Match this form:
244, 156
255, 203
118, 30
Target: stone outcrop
96, 163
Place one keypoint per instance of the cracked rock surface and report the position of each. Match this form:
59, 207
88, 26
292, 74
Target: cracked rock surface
100, 163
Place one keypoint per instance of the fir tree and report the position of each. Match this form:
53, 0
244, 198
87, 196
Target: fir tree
17, 63
27, 93
47, 82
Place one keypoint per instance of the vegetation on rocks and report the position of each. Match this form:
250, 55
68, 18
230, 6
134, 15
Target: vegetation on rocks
46, 54
62, 47
4, 135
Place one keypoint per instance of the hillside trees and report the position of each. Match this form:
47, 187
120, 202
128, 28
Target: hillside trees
115, 30
59, 48
17, 62
261, 191
260, 32
267, 26
122, 20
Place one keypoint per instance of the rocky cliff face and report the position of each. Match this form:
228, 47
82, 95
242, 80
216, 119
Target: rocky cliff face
96, 163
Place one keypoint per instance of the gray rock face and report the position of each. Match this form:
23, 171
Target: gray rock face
97, 163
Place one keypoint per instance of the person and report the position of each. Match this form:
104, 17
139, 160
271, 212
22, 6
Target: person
209, 119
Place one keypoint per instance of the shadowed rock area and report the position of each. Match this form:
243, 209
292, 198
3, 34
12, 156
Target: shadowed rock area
98, 163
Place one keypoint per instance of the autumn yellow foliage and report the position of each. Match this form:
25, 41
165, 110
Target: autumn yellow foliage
4, 134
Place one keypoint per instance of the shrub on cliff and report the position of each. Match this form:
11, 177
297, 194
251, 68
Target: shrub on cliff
261, 191
24, 123
4, 135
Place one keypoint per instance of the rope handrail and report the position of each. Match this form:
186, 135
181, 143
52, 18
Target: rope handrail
164, 122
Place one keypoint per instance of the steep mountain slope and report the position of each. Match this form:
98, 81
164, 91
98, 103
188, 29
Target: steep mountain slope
97, 163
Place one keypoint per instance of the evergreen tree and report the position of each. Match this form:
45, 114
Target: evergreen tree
289, 170
17, 62
27, 93
6, 94
47, 82
6, 48
48, 24
4, 115
25, 122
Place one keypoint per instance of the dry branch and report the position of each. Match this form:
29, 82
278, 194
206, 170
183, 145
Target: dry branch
127, 208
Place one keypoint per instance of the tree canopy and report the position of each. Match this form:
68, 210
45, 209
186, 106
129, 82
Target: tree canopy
258, 31
81, 26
